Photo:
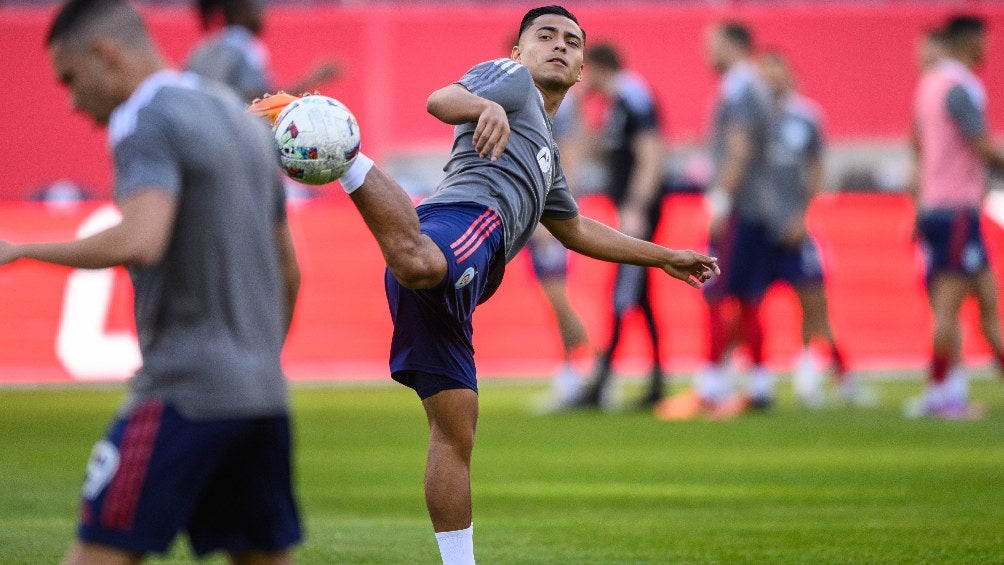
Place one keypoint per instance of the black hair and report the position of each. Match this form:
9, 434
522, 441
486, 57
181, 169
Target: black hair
81, 17
963, 26
604, 55
738, 34
535, 13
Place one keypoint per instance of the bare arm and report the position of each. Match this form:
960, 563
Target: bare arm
290, 269
141, 238
986, 150
594, 239
738, 151
453, 104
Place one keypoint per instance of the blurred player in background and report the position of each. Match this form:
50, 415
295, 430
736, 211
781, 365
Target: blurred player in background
931, 49
738, 202
237, 57
795, 165
504, 177
549, 260
953, 147
630, 145
202, 441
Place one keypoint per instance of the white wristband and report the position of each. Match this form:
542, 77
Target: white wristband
356, 175
718, 201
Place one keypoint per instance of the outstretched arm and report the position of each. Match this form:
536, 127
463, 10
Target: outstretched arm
141, 238
594, 239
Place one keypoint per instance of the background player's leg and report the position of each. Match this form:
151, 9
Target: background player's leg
259, 558
83, 553
985, 287
657, 378
947, 292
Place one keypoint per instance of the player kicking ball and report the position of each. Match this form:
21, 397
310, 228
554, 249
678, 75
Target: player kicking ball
447, 256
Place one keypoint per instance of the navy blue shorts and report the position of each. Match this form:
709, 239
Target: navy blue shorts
549, 259
952, 242
798, 265
227, 483
744, 253
432, 327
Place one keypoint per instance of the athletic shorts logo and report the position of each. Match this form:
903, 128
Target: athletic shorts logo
465, 279
100, 468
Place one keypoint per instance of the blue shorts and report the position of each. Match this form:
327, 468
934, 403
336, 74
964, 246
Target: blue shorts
952, 242
226, 482
798, 265
432, 327
744, 253
549, 259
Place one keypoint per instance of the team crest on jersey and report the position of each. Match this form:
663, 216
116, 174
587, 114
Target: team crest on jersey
544, 159
465, 279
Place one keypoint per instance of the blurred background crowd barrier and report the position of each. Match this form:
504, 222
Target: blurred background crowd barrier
857, 59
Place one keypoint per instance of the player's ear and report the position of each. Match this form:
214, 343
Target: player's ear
107, 52
581, 67
515, 54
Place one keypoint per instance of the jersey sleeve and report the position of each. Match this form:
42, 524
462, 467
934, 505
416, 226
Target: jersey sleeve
503, 81
145, 159
560, 204
964, 111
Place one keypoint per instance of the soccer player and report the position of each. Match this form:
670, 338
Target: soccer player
953, 150
795, 167
738, 204
632, 148
237, 57
202, 441
503, 177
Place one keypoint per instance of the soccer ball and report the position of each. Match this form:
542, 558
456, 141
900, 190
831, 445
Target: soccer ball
318, 139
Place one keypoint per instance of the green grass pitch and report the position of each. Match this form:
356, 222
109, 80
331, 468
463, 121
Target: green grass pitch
841, 485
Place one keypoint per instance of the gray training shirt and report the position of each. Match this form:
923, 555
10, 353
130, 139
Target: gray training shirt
745, 102
210, 314
796, 142
527, 181
235, 57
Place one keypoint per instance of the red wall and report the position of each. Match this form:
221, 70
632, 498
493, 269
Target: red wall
857, 61
54, 325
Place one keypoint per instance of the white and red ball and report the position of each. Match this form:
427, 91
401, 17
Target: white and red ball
318, 139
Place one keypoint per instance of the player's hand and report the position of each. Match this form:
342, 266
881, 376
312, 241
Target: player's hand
8, 253
691, 267
492, 132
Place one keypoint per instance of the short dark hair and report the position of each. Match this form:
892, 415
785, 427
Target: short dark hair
738, 34
962, 26
82, 17
604, 55
535, 13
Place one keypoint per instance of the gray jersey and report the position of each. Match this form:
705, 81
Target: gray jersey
527, 181
210, 313
796, 141
744, 102
235, 57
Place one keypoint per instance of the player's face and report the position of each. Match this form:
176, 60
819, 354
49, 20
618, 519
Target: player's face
86, 78
716, 48
551, 48
776, 74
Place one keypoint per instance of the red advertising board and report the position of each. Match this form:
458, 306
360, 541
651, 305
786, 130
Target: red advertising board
61, 325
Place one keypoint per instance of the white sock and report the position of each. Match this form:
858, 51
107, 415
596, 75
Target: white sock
356, 175
457, 547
